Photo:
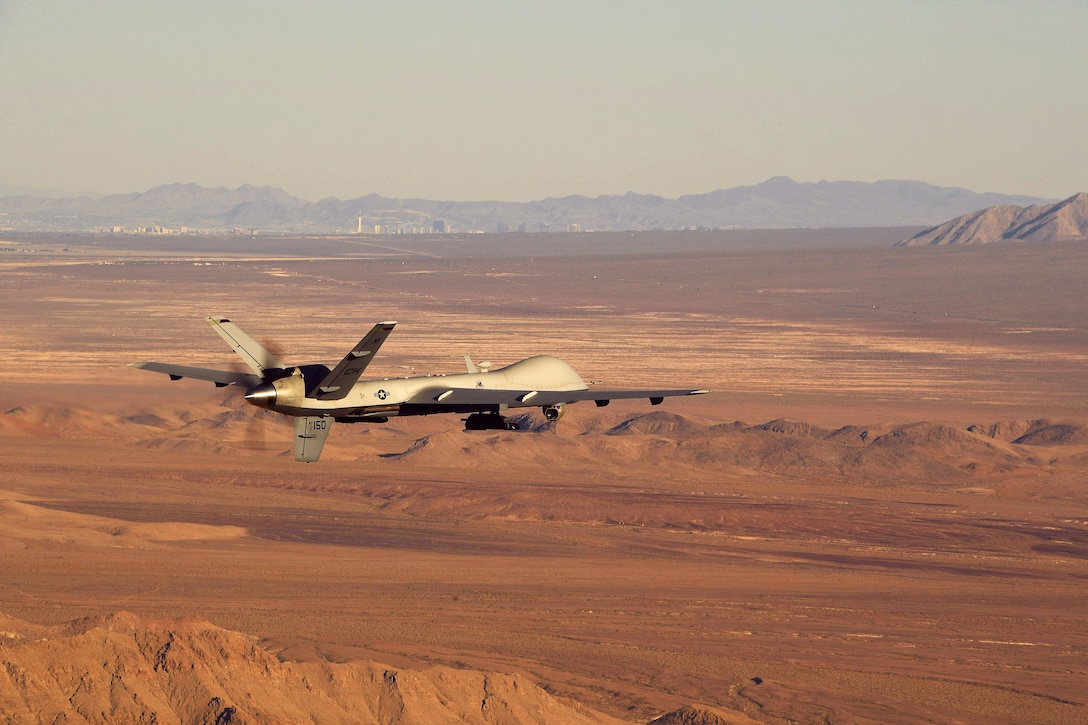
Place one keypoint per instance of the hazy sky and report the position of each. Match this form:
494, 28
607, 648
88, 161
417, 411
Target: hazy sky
509, 100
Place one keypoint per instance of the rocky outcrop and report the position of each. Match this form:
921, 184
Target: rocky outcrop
124, 669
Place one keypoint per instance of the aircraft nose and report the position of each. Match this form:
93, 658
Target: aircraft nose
263, 395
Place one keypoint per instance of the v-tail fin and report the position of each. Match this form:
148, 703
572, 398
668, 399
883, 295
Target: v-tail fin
338, 383
253, 353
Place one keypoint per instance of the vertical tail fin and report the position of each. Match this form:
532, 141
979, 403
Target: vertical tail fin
255, 356
310, 435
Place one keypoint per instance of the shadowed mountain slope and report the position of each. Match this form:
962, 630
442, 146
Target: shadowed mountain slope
919, 451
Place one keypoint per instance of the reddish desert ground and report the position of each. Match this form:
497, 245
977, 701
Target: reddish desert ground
879, 515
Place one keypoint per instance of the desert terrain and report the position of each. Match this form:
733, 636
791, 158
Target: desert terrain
879, 515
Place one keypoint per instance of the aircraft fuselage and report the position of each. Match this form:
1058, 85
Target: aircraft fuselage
371, 399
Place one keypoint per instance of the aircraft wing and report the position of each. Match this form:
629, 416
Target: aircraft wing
459, 397
219, 377
339, 382
602, 396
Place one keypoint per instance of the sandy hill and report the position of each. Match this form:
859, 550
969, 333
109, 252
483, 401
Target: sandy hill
1065, 221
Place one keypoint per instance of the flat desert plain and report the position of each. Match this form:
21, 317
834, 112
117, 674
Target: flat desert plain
879, 515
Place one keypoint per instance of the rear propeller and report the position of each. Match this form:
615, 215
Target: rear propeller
259, 417
263, 358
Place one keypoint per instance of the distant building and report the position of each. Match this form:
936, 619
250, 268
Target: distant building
502, 228
438, 226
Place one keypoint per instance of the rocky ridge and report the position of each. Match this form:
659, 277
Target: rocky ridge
121, 669
1066, 220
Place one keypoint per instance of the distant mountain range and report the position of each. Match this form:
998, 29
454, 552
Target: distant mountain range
777, 203
1065, 221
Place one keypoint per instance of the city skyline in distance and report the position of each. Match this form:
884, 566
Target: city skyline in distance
776, 203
